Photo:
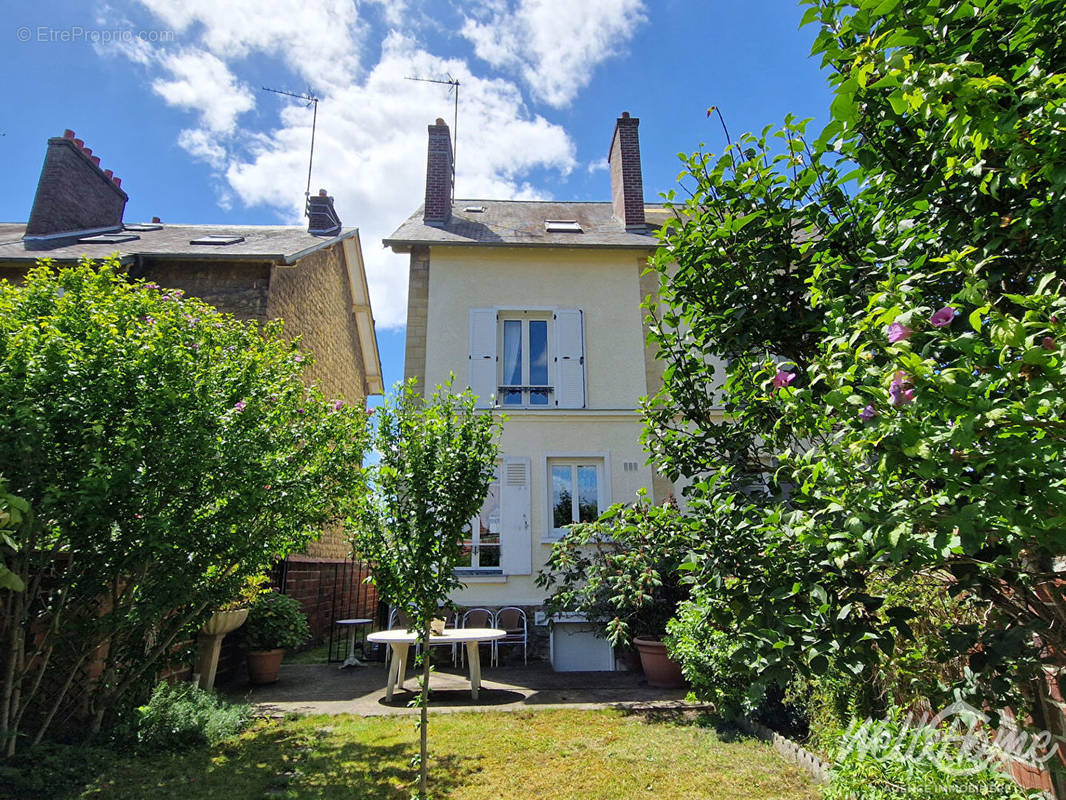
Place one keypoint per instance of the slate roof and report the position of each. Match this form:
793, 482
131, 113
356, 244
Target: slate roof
509, 223
283, 243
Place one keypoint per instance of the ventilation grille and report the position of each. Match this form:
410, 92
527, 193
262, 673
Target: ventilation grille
630, 466
516, 473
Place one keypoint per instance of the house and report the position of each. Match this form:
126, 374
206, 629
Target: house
536, 306
312, 277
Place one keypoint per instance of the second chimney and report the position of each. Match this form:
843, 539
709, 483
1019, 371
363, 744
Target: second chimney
322, 219
627, 185
438, 206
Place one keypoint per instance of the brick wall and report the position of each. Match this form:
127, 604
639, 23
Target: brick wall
328, 590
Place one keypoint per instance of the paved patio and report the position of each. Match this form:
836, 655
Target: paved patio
325, 689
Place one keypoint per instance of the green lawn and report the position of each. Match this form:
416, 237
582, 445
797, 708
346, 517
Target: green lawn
548, 755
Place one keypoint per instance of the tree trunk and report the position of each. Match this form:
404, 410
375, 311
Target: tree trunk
423, 761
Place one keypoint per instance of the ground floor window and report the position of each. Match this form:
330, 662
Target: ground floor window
576, 488
481, 550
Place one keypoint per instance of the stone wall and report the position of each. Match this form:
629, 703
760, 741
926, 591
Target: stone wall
314, 299
235, 287
414, 360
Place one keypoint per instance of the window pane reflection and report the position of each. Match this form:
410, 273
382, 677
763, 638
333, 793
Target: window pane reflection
587, 494
562, 505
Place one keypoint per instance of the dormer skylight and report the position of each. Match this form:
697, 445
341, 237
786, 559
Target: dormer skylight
218, 239
108, 238
562, 226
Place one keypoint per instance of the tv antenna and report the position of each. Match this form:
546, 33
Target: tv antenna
312, 102
454, 84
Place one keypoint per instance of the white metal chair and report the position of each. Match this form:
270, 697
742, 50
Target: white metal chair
476, 618
398, 620
452, 622
511, 619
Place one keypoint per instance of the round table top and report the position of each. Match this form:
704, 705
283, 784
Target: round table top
353, 622
450, 636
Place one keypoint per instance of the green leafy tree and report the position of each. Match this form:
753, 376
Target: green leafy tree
436, 461
888, 300
169, 453
14, 513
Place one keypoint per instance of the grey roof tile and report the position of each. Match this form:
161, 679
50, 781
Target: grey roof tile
521, 223
285, 243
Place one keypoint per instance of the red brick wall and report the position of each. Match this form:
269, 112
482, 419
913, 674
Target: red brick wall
328, 590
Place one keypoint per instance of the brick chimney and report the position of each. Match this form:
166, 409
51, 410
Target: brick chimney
627, 186
438, 175
322, 219
73, 194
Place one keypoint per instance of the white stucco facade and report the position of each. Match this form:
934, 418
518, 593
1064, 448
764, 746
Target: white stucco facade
602, 437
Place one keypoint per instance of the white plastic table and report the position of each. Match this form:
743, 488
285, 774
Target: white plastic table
401, 640
352, 625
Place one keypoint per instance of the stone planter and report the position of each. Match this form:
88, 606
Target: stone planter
222, 622
659, 669
209, 642
263, 665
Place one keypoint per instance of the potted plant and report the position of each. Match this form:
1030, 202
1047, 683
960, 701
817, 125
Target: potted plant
622, 571
275, 623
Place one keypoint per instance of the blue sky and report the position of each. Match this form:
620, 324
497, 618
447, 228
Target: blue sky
168, 94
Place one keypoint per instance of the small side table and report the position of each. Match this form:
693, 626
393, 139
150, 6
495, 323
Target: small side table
352, 625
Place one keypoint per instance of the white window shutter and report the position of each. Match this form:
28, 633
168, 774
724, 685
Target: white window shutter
516, 549
569, 359
483, 355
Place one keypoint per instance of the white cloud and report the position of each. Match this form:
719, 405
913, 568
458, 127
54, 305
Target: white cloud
554, 45
202, 145
370, 145
319, 41
201, 82
370, 152
599, 165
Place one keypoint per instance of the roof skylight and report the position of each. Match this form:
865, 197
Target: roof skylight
218, 239
143, 226
562, 226
108, 238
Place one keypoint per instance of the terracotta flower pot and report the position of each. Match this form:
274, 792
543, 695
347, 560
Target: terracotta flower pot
659, 669
263, 665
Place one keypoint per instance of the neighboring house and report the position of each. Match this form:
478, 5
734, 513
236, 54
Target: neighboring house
536, 306
312, 278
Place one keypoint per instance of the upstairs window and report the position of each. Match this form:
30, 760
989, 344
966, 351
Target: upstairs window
523, 361
527, 359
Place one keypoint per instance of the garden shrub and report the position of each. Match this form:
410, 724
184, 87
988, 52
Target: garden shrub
52, 770
707, 658
182, 716
169, 452
891, 775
